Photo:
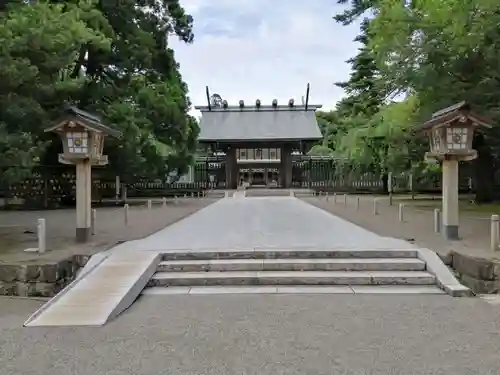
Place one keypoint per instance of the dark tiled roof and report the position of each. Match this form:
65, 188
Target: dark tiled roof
88, 119
267, 123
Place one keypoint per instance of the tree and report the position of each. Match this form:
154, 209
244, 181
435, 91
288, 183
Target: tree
415, 49
421, 50
39, 42
106, 57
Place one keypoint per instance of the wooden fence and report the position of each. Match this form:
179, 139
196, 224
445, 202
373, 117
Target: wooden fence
53, 186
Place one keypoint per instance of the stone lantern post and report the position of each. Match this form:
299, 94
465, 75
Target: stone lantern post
82, 135
451, 131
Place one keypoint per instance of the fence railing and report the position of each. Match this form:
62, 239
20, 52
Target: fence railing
52, 186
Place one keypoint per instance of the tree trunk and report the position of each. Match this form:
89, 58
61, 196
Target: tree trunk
483, 171
385, 183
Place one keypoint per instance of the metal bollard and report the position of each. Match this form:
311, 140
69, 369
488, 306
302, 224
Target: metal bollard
192, 195
335, 198
357, 203
93, 219
401, 212
164, 202
437, 220
150, 204
375, 206
495, 232
326, 196
345, 199
125, 210
41, 236
175, 200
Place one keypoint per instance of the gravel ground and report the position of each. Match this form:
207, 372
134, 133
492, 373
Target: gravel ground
417, 225
110, 228
263, 334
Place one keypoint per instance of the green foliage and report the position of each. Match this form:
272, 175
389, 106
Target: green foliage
417, 50
320, 150
111, 58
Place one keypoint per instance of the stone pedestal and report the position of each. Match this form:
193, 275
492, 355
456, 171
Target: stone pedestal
83, 200
450, 199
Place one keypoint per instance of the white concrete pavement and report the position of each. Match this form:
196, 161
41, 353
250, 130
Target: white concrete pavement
266, 222
228, 225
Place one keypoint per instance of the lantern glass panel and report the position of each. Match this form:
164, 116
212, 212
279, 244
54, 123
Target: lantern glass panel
457, 138
78, 142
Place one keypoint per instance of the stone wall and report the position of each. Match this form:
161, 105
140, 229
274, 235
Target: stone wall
481, 275
39, 280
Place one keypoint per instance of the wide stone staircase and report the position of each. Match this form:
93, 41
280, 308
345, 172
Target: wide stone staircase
291, 271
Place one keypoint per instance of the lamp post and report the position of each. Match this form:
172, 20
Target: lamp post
82, 135
451, 131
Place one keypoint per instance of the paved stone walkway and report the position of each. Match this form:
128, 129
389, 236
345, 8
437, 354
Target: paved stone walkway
273, 222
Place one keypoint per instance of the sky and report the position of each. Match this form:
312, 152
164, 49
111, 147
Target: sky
250, 49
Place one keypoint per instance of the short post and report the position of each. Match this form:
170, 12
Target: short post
326, 196
401, 212
175, 200
164, 202
375, 206
192, 195
42, 236
335, 198
357, 203
125, 211
345, 199
150, 204
495, 232
92, 222
185, 196
389, 187
437, 220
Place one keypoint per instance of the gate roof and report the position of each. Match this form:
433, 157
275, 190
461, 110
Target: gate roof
265, 123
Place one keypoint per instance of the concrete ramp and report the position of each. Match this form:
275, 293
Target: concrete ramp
100, 295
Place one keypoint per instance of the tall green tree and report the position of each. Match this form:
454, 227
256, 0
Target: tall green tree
112, 58
38, 42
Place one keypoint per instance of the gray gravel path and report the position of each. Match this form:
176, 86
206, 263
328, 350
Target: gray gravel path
264, 335
277, 222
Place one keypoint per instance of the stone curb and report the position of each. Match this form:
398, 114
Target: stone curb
444, 277
39, 280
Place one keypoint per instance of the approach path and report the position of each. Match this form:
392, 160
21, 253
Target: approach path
272, 222
263, 334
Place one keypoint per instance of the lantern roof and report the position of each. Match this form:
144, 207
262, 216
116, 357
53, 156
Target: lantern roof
460, 112
85, 119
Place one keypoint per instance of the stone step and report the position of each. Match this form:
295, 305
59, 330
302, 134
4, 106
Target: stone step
314, 264
286, 254
295, 289
292, 278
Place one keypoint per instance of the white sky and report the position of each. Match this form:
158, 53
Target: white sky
249, 49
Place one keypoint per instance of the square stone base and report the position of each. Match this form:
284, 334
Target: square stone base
450, 232
83, 234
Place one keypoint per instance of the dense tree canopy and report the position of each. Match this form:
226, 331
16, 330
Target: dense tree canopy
111, 58
414, 59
